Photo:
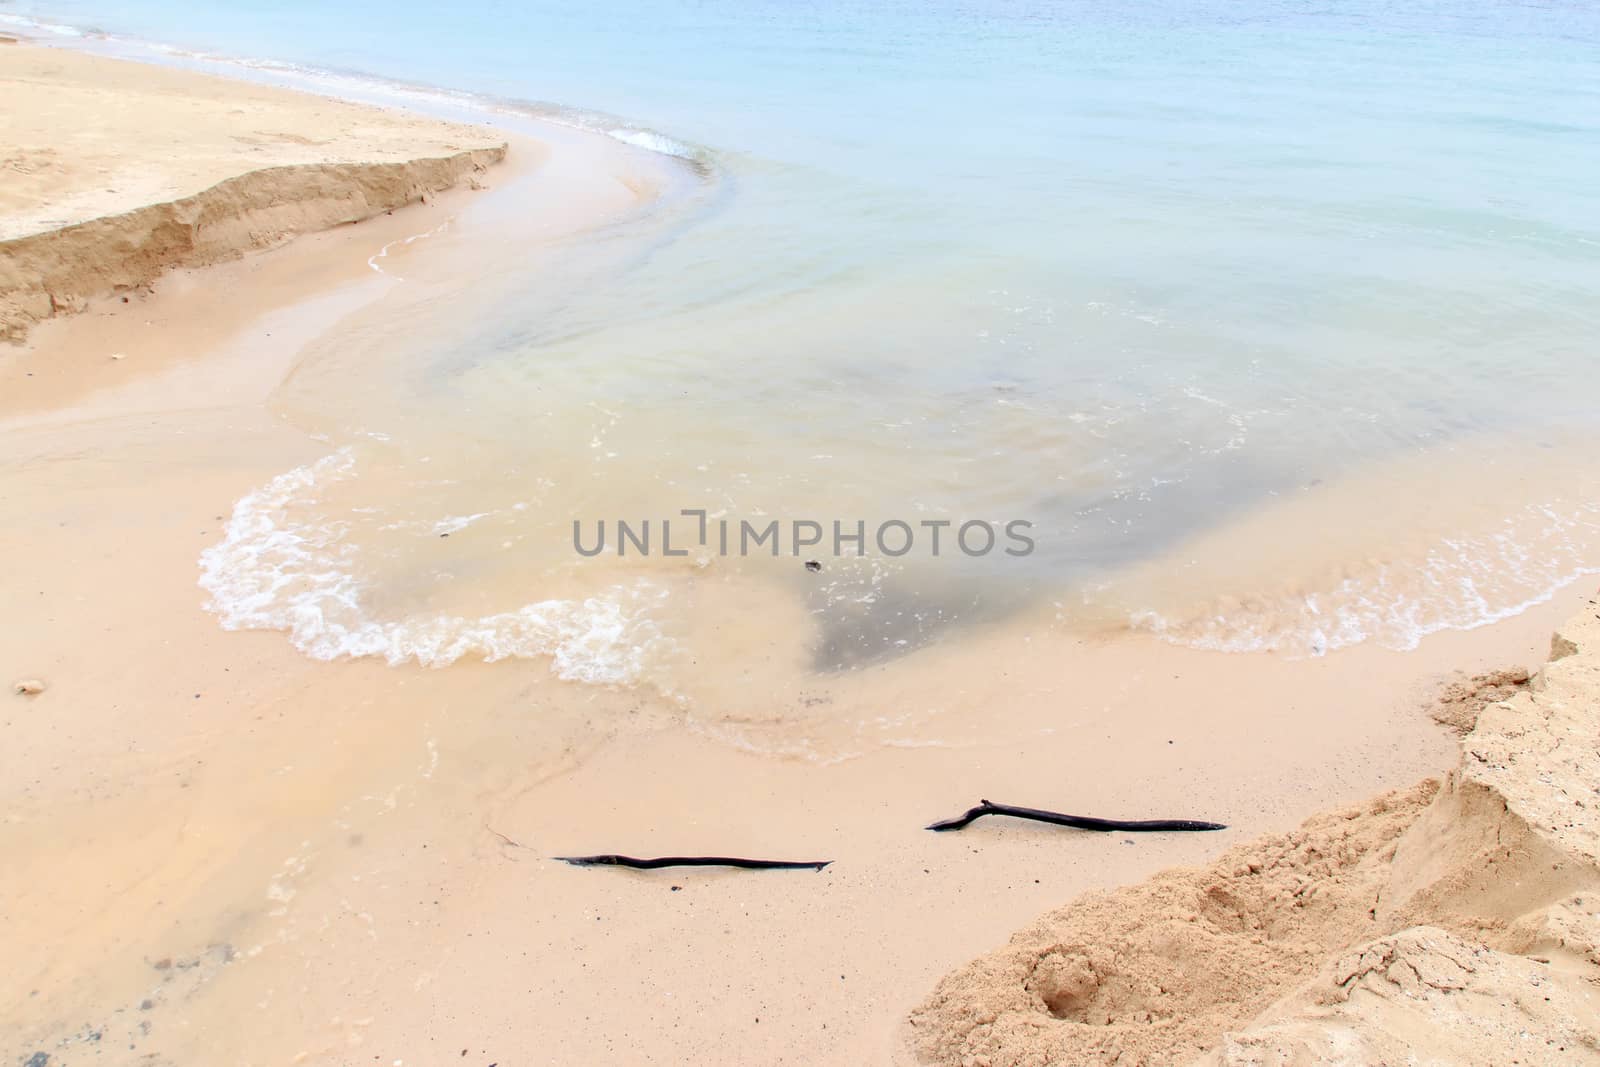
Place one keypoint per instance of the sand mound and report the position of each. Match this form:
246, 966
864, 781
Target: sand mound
1154, 972
1425, 995
1459, 921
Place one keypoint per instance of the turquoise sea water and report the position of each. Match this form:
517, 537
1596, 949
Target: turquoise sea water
1130, 271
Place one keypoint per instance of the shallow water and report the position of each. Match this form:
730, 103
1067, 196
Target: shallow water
1235, 305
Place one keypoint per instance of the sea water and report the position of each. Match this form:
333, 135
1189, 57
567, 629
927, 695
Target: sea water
1275, 322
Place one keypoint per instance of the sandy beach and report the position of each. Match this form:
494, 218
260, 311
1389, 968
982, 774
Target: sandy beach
222, 850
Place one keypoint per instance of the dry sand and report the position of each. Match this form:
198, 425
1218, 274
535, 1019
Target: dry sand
115, 172
220, 851
1445, 924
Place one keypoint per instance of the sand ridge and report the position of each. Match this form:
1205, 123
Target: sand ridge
1458, 921
97, 199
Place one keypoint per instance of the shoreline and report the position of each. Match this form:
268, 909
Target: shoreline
289, 859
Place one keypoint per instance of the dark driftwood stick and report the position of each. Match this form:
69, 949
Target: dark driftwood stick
693, 861
1080, 822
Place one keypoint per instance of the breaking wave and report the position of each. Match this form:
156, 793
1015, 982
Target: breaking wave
1458, 583
279, 569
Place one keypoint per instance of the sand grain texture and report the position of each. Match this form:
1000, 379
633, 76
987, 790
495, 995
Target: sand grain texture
1457, 923
116, 172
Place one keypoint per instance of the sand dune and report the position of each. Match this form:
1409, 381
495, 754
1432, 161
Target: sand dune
1458, 922
96, 200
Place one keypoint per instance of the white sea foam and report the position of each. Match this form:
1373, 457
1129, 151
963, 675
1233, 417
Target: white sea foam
383, 252
40, 26
653, 142
361, 86
457, 523
278, 570
1458, 583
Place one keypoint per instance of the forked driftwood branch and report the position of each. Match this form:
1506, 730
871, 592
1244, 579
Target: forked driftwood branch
693, 861
1079, 822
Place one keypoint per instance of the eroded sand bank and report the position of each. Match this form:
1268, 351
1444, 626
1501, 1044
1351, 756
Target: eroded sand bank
116, 172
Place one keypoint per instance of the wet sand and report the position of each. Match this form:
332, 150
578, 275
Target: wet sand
223, 851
